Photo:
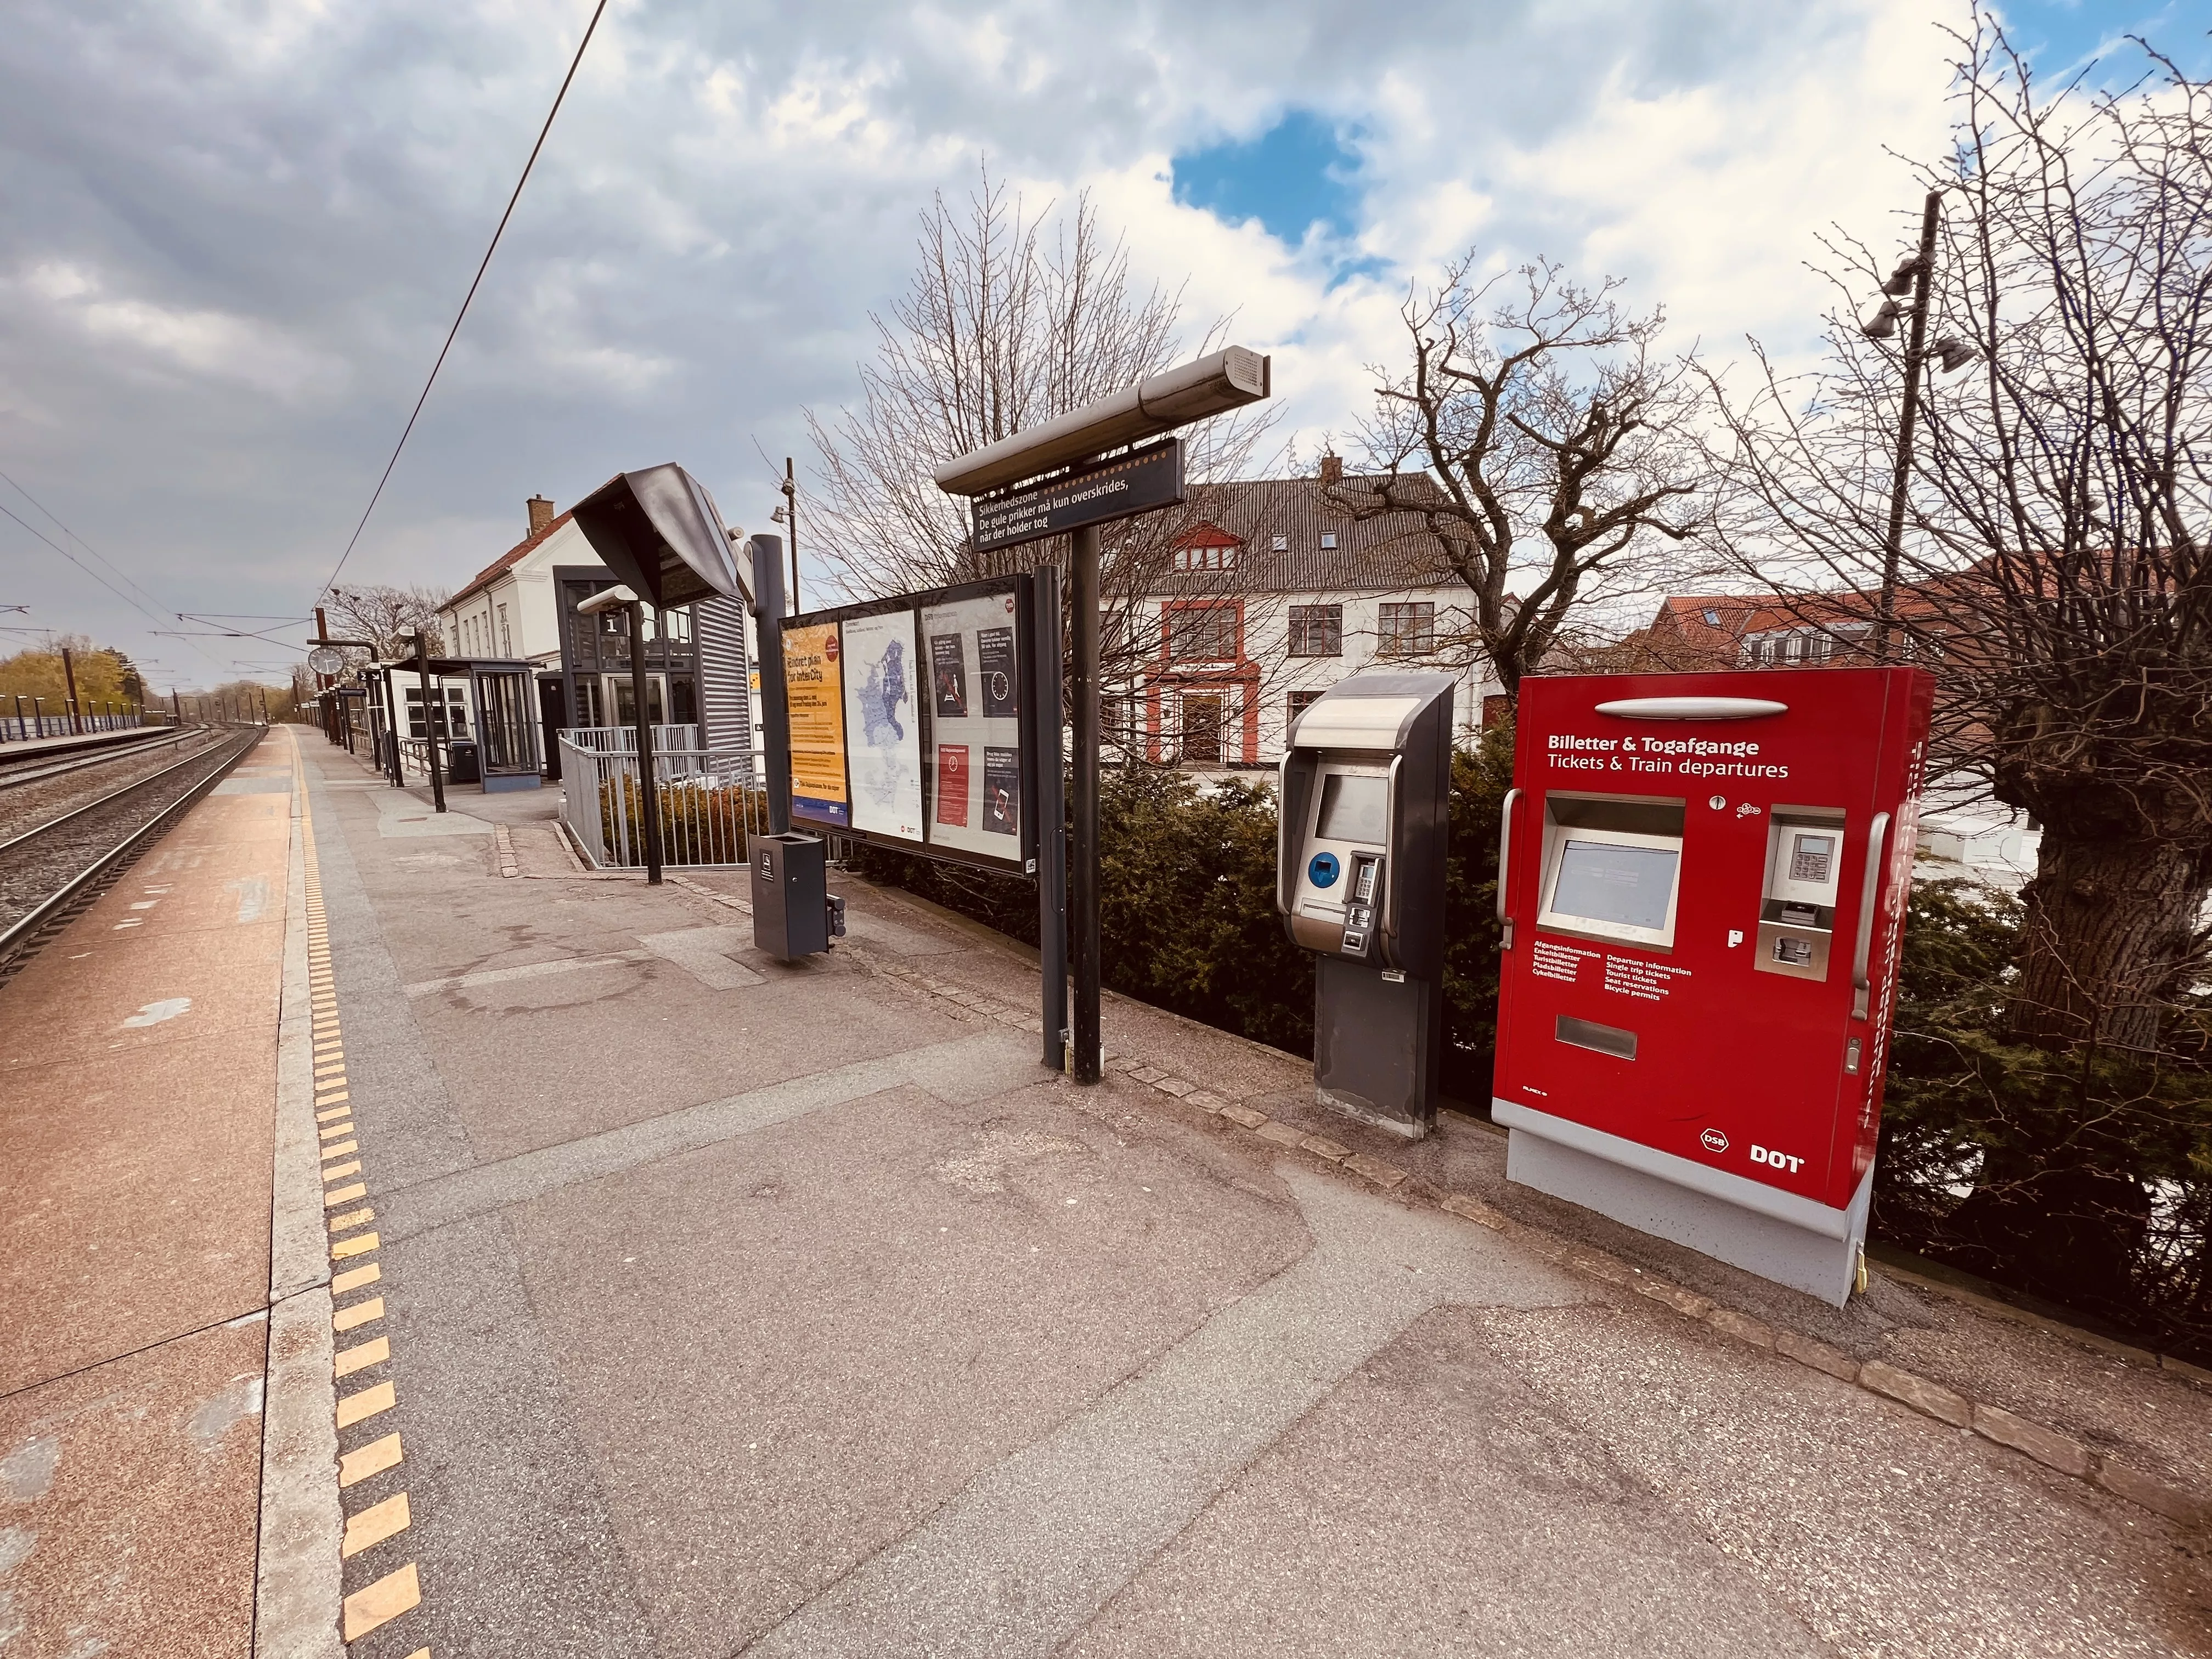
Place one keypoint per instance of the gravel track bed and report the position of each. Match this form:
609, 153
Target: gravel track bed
25, 806
29, 873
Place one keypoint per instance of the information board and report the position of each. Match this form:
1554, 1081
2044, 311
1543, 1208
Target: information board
911, 724
976, 721
883, 725
814, 691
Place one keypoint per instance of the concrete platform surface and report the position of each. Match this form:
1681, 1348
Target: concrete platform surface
723, 1306
137, 1077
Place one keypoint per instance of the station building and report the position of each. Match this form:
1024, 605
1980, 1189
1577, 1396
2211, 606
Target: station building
1272, 595
522, 608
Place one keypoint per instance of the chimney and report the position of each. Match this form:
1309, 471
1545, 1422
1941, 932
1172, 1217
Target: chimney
1332, 469
541, 515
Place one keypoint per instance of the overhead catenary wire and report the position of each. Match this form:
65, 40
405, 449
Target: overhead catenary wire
56, 520
87, 570
485, 264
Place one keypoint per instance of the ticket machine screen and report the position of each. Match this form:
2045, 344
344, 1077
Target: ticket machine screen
1613, 866
1607, 881
1354, 808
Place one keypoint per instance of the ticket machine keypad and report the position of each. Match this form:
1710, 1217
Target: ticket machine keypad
1797, 911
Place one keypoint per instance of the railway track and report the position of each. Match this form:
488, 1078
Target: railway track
63, 861
18, 771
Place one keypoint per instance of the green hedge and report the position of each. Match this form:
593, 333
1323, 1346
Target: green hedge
1187, 915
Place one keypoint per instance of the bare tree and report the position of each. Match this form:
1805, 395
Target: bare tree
2054, 574
1011, 320
2058, 509
389, 616
1544, 437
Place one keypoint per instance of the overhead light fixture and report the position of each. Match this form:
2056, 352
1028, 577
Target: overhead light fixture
1883, 323
1900, 280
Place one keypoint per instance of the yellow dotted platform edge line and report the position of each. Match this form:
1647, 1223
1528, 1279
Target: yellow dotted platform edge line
354, 1246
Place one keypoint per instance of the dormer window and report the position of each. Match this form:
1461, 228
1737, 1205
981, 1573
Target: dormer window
1205, 558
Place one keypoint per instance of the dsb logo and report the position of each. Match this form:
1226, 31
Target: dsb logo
1777, 1160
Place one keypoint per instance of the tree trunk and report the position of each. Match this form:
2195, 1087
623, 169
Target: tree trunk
2107, 925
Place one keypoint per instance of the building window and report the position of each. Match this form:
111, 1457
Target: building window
1712, 619
507, 641
1328, 541
1205, 558
456, 711
1407, 630
1299, 702
1202, 632
1496, 710
1317, 630
1281, 544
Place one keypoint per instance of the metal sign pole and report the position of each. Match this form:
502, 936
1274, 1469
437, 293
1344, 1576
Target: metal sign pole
1051, 809
1083, 917
775, 709
648, 785
434, 716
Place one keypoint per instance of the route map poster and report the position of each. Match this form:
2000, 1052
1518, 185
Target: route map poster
977, 726
883, 725
814, 691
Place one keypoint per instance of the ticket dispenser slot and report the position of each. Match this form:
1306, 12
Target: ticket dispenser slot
1797, 907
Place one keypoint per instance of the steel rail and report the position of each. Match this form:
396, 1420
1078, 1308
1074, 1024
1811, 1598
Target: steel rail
77, 812
17, 932
30, 774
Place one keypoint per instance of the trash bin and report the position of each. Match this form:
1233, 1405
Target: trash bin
461, 762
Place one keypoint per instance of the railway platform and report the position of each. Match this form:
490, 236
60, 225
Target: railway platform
516, 1261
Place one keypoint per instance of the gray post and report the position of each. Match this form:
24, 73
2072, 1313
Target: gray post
648, 785
1083, 914
1893, 550
774, 711
434, 716
1050, 807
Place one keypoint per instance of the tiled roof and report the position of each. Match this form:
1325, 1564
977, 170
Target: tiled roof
507, 560
1378, 554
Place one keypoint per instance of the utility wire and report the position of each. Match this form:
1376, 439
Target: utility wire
378, 493
90, 572
78, 539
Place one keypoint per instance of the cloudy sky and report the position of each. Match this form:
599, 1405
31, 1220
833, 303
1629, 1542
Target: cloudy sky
232, 233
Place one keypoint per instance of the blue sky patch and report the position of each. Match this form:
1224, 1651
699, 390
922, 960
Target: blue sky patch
2057, 34
1297, 173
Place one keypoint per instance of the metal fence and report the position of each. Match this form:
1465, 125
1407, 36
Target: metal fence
22, 718
711, 804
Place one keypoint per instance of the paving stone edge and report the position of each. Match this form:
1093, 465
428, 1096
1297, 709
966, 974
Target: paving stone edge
2049, 1447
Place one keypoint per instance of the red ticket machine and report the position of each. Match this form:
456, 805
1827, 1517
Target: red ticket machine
1702, 883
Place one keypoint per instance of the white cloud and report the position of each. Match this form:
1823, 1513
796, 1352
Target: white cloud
238, 232
136, 337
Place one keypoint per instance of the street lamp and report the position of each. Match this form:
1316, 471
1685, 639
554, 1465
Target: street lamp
1913, 276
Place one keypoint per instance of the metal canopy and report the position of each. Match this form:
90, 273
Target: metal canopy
1228, 380
659, 531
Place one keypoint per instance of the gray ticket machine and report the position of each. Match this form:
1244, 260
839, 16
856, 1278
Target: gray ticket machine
1359, 879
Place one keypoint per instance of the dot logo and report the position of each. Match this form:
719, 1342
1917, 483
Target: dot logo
1324, 870
1715, 1140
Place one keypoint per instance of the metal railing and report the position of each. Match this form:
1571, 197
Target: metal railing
20, 723
673, 738
711, 805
